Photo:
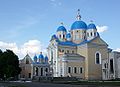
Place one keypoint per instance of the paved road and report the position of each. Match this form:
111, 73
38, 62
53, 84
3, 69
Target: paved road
37, 84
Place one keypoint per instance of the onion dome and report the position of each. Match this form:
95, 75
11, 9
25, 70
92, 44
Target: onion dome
68, 35
46, 58
61, 28
91, 26
54, 36
79, 25
35, 58
41, 55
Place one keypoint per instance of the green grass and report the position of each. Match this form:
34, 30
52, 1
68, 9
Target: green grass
99, 83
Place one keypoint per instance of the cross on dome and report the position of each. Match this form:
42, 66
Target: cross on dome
91, 21
61, 23
78, 15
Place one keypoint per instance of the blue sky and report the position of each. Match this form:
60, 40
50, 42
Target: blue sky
27, 21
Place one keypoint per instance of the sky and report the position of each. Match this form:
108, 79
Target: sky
26, 26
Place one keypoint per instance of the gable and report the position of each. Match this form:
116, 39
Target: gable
98, 40
27, 60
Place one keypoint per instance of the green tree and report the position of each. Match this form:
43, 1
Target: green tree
9, 64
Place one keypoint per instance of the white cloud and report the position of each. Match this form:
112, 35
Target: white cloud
55, 3
118, 49
31, 47
101, 29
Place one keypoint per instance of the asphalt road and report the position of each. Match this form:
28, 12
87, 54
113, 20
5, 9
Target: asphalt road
38, 84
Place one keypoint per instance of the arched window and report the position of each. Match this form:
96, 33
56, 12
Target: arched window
63, 36
72, 51
36, 71
98, 58
60, 36
75, 69
81, 70
69, 69
88, 34
67, 51
91, 33
27, 61
94, 34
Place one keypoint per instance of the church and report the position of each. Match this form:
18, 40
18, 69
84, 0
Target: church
78, 52
34, 68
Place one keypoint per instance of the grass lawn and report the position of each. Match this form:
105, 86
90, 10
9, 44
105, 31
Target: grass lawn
97, 83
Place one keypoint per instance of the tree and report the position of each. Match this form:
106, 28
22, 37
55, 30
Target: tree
9, 64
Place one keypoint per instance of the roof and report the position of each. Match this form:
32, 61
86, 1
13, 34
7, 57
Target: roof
41, 56
68, 35
72, 54
61, 28
70, 43
67, 43
91, 26
79, 25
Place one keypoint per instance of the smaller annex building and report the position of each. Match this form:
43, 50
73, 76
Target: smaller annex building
34, 68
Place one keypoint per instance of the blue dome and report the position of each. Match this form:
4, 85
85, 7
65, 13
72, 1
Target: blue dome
46, 58
41, 56
35, 57
61, 28
54, 36
91, 26
78, 25
68, 35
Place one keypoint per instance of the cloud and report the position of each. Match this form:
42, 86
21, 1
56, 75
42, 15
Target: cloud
55, 3
118, 49
101, 29
31, 47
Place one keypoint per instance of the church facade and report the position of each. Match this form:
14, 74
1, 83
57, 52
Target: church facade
34, 68
78, 52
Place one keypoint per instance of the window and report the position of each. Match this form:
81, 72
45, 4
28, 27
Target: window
75, 70
88, 34
41, 71
94, 34
36, 71
81, 70
29, 75
111, 66
91, 33
63, 36
67, 51
46, 69
77, 37
60, 36
27, 61
97, 58
105, 65
62, 50
72, 51
84, 37
69, 69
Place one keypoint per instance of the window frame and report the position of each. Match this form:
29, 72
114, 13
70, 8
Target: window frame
99, 57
